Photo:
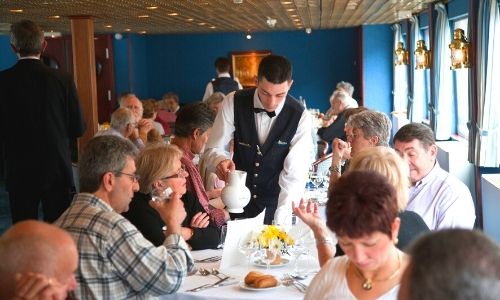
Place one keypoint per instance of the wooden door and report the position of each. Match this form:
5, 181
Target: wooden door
58, 55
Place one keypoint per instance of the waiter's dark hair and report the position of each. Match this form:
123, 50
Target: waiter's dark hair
275, 68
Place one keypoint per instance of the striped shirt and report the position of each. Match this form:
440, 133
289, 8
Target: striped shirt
116, 261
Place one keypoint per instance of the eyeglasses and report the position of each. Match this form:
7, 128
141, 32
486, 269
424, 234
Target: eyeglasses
181, 173
134, 177
351, 137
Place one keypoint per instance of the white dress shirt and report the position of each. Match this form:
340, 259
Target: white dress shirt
293, 176
209, 90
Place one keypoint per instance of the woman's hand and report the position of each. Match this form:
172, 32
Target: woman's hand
308, 213
38, 286
200, 220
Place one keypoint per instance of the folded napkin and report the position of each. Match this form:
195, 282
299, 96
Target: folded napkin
236, 230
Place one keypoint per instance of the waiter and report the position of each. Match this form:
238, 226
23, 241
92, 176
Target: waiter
272, 142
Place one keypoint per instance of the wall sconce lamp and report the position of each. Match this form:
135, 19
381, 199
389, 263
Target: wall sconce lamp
459, 50
401, 55
422, 60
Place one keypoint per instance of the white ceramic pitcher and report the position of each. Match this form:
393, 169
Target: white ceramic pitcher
235, 194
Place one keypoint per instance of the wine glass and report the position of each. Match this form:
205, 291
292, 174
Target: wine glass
267, 256
247, 248
160, 194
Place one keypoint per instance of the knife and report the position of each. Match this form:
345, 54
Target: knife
207, 286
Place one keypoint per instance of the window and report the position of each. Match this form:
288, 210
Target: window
461, 90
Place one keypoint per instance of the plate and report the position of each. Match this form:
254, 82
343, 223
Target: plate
260, 263
249, 288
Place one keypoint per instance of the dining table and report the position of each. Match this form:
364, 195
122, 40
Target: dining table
234, 287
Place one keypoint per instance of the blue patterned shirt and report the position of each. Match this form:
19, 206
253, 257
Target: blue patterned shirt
116, 261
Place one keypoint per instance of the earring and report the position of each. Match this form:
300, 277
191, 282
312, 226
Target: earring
396, 241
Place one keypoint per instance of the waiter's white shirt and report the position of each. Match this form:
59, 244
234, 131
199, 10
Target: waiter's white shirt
293, 177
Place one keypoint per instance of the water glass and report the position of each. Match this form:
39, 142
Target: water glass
223, 232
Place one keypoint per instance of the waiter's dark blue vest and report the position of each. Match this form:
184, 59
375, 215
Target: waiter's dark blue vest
263, 163
225, 85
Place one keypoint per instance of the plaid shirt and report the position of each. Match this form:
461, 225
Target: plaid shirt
116, 261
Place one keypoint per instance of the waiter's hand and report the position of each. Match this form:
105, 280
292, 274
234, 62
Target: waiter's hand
223, 168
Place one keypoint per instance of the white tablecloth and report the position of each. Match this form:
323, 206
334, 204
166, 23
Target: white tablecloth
234, 291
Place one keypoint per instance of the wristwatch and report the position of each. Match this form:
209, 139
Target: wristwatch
335, 169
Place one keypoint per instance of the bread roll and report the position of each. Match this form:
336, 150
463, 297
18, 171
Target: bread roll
252, 276
265, 281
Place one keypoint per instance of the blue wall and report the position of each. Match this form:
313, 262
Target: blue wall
377, 67
183, 63
7, 56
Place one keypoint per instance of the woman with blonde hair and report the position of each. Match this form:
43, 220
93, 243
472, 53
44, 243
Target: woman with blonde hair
387, 162
159, 168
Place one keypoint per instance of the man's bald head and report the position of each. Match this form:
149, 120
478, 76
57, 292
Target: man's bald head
33, 246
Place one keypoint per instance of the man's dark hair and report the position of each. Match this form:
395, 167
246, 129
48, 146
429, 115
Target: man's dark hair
456, 264
417, 131
192, 116
222, 64
275, 69
27, 38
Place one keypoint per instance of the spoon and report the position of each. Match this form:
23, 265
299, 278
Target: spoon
204, 272
299, 276
217, 273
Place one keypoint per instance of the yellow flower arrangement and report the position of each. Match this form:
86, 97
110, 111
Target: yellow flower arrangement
272, 236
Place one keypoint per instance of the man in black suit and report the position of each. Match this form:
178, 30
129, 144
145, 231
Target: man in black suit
39, 115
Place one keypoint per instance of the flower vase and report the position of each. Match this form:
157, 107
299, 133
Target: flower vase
235, 194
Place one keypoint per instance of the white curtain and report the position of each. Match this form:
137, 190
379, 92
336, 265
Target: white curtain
419, 98
487, 152
443, 96
400, 91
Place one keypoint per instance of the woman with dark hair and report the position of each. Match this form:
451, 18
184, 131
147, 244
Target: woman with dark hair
364, 216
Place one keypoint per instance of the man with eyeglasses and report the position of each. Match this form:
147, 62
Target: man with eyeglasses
116, 261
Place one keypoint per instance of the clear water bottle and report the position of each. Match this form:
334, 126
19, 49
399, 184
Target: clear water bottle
303, 102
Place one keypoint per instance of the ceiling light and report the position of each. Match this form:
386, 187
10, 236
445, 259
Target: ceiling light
352, 4
173, 14
459, 50
108, 26
237, 1
403, 14
212, 27
401, 55
190, 20
249, 36
286, 2
127, 29
290, 9
143, 16
201, 24
308, 30
16, 10
54, 17
151, 7
271, 22
422, 60
142, 32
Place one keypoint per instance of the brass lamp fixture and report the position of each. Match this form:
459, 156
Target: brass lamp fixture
401, 57
422, 60
459, 50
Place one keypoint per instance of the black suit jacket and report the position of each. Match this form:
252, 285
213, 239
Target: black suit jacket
39, 114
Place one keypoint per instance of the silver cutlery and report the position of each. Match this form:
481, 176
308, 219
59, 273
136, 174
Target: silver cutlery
208, 286
208, 259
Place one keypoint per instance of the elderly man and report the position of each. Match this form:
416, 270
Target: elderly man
452, 264
365, 129
223, 83
39, 117
334, 127
133, 103
38, 259
272, 136
442, 200
123, 124
116, 261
